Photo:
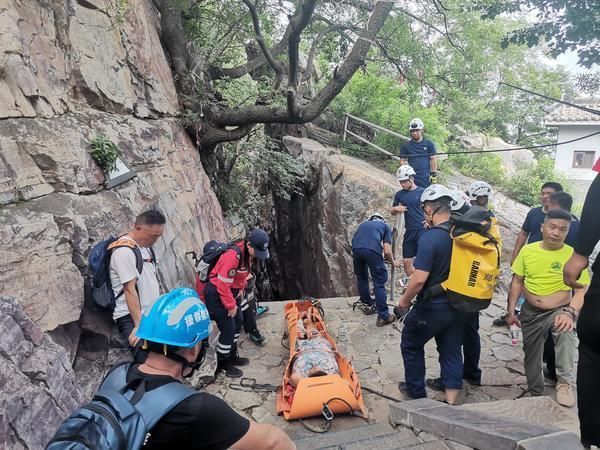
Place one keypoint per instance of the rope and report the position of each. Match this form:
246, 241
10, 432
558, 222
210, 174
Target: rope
250, 385
328, 417
381, 394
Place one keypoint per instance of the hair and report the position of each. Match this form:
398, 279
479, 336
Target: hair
558, 214
156, 347
150, 217
552, 185
441, 205
562, 199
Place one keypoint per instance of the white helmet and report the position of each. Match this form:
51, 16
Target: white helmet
479, 189
436, 192
416, 124
459, 199
376, 216
404, 172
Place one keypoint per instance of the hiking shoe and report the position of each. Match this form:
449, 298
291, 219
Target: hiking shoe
500, 321
382, 322
435, 384
402, 388
367, 309
228, 369
473, 381
236, 359
564, 395
261, 310
257, 337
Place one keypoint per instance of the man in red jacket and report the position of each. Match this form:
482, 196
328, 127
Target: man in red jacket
222, 295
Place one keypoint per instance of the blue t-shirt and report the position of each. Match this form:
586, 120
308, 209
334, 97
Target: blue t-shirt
533, 226
433, 255
371, 235
412, 200
418, 154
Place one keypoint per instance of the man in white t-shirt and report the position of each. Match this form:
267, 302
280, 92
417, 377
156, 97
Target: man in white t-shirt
135, 289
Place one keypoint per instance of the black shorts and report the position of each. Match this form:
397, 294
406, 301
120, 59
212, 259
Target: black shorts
409, 244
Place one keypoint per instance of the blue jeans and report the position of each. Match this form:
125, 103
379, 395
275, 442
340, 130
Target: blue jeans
446, 325
471, 348
366, 261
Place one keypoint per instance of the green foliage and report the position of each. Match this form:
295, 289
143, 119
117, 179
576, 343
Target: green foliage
382, 100
260, 168
525, 185
481, 166
105, 152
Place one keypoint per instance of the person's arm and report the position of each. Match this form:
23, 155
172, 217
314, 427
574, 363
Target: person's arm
415, 284
589, 224
133, 301
519, 243
389, 255
264, 436
400, 209
588, 236
516, 287
565, 321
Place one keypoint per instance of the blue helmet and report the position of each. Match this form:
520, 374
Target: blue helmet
177, 318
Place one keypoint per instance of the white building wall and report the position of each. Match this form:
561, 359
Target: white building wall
564, 153
580, 179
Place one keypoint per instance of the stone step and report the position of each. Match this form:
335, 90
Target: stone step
378, 436
477, 428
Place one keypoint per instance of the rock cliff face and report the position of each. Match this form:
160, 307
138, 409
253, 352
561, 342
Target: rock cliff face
71, 71
38, 383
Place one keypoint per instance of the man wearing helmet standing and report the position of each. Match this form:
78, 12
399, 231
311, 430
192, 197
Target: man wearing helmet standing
419, 153
407, 201
175, 331
432, 316
372, 239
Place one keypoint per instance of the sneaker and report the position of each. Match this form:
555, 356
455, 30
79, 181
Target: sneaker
236, 359
473, 381
367, 310
382, 322
257, 337
225, 367
500, 321
564, 395
261, 310
435, 384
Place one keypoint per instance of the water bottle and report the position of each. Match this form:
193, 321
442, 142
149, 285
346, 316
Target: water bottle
514, 334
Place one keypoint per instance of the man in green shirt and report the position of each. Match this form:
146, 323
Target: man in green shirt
550, 305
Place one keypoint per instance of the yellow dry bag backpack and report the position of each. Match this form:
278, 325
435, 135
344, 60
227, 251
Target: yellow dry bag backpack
475, 262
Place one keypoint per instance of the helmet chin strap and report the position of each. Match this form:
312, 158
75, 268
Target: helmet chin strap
185, 364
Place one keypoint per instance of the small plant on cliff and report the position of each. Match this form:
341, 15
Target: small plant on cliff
105, 153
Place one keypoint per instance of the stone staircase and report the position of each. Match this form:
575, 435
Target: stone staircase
425, 424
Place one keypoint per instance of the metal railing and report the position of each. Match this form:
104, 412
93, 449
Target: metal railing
366, 141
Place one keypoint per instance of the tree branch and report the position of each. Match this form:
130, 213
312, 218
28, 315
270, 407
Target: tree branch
313, 48
297, 24
277, 114
432, 26
261, 43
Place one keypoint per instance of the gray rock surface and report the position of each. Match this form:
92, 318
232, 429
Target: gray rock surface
38, 384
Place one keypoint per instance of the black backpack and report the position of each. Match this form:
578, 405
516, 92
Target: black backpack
119, 417
99, 264
211, 253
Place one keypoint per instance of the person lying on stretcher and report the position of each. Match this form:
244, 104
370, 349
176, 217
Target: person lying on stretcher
315, 354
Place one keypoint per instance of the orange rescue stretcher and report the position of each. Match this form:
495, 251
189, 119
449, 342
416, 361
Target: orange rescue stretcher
315, 395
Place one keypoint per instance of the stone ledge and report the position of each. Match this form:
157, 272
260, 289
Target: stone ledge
477, 428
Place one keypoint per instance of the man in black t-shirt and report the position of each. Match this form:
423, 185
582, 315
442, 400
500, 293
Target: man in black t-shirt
175, 332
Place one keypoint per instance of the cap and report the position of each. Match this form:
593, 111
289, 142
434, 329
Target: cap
259, 240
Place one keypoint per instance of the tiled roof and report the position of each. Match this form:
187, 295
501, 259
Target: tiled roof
560, 113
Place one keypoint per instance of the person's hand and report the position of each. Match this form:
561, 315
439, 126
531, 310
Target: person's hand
563, 322
400, 208
572, 270
133, 339
512, 319
232, 312
404, 303
397, 263
433, 177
